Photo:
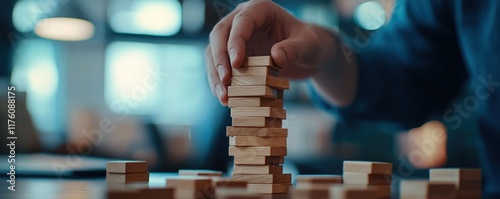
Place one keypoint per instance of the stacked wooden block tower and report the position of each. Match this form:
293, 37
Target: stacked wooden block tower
375, 176
467, 181
256, 138
127, 172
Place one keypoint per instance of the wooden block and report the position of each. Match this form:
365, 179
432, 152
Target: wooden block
236, 194
254, 102
127, 186
368, 167
254, 71
257, 122
454, 174
220, 182
257, 151
319, 179
264, 60
280, 94
256, 141
414, 188
127, 177
258, 160
462, 184
261, 169
269, 188
252, 91
367, 179
258, 112
383, 191
469, 194
348, 192
123, 194
155, 193
264, 178
194, 172
310, 193
313, 186
261, 81
127, 167
183, 193
189, 182
259, 132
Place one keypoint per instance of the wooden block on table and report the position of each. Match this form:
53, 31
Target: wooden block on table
194, 172
463, 184
257, 122
127, 167
271, 81
258, 112
257, 141
252, 91
367, 179
235, 193
258, 160
123, 194
155, 193
368, 167
349, 192
454, 174
259, 132
190, 182
254, 71
264, 178
319, 179
257, 151
310, 193
383, 191
260, 169
469, 194
270, 188
183, 193
220, 182
127, 186
254, 102
414, 188
127, 177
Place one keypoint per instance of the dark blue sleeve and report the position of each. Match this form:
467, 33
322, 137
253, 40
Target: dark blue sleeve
409, 69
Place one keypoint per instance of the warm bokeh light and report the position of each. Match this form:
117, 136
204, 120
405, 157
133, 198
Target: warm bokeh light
65, 29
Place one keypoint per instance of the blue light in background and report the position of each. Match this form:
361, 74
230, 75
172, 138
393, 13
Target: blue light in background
149, 17
370, 15
27, 13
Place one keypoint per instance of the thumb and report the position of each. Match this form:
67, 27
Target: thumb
286, 52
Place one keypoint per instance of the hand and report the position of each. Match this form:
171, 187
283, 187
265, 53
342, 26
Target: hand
260, 27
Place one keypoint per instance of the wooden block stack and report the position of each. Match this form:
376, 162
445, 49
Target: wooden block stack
127, 171
369, 175
467, 181
424, 189
315, 186
257, 140
191, 187
206, 173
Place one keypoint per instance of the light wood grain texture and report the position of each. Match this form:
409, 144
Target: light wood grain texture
257, 141
156, 193
264, 60
191, 182
223, 182
127, 178
253, 169
254, 131
183, 193
368, 167
270, 188
261, 81
258, 112
258, 160
252, 91
257, 122
319, 179
366, 179
424, 188
127, 167
264, 178
195, 172
257, 151
346, 192
254, 71
254, 102
454, 174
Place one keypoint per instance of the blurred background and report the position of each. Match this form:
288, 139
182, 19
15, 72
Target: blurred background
126, 79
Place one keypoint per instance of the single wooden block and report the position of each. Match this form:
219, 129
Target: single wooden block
257, 122
261, 169
127, 177
183, 193
256, 141
368, 167
155, 193
319, 179
310, 193
454, 174
235, 193
261, 81
270, 188
254, 102
254, 71
383, 191
313, 186
257, 151
258, 160
195, 172
424, 188
367, 179
123, 194
469, 194
264, 60
348, 192
189, 182
259, 132
258, 112
264, 178
127, 186
127, 167
252, 91
220, 182
462, 184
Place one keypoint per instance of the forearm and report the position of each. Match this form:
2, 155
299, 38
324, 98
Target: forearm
336, 76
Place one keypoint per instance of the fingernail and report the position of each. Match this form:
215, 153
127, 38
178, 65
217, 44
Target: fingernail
222, 72
232, 55
219, 91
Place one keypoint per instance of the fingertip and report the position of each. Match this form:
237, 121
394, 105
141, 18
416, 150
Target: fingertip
279, 56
